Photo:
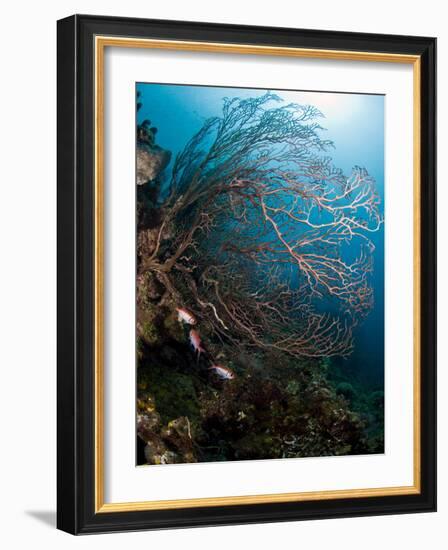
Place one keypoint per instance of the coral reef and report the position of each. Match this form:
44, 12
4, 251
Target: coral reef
249, 201
253, 227
187, 414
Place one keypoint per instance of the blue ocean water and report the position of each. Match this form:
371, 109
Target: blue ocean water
354, 122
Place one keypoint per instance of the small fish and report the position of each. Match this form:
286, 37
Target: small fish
196, 342
185, 316
223, 372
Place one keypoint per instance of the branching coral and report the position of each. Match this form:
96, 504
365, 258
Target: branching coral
261, 236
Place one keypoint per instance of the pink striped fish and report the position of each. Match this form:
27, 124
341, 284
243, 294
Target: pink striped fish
196, 342
184, 316
223, 372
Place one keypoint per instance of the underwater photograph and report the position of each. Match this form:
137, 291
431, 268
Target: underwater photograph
259, 274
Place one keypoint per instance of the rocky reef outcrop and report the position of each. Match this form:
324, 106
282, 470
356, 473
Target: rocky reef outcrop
151, 158
151, 161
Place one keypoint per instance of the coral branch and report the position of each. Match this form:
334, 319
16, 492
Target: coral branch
263, 236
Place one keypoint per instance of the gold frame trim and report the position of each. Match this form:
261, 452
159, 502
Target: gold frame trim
101, 42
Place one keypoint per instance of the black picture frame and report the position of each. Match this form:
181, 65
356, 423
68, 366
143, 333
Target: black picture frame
76, 512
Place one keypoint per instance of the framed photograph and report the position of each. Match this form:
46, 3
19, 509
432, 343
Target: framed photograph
246, 274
